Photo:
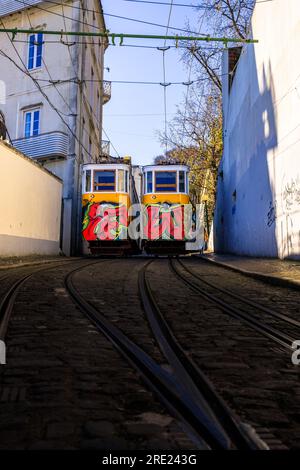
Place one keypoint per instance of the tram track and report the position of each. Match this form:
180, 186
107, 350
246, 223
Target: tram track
3, 278
210, 425
270, 312
191, 377
8, 299
271, 332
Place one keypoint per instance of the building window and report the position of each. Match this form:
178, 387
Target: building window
90, 157
149, 185
165, 181
35, 51
88, 180
32, 123
104, 180
121, 181
182, 182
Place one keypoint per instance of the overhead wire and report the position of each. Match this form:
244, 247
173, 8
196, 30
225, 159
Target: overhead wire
64, 17
84, 128
152, 24
88, 132
198, 7
165, 3
136, 20
132, 19
25, 71
67, 44
189, 77
49, 74
164, 77
140, 46
124, 82
91, 81
117, 16
84, 23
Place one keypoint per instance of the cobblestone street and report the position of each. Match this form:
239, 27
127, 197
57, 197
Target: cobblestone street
65, 386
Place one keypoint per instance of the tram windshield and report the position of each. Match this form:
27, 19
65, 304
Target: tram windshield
104, 180
165, 181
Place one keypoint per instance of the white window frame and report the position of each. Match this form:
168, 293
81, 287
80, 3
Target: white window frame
146, 182
34, 67
31, 111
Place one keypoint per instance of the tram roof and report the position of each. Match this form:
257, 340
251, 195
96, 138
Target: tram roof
168, 167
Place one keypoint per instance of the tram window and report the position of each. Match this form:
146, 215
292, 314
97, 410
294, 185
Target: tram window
121, 181
126, 181
104, 180
182, 182
149, 182
165, 181
88, 181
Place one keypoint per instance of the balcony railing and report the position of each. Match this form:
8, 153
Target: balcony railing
49, 145
106, 91
8, 7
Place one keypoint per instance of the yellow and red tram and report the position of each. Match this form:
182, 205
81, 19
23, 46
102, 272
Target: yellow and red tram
107, 194
165, 200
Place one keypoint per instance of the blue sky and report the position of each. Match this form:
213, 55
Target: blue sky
130, 131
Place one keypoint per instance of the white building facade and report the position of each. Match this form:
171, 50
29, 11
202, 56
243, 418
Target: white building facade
258, 201
54, 93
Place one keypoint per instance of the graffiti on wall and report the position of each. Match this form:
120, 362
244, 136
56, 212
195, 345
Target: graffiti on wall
290, 200
291, 194
104, 221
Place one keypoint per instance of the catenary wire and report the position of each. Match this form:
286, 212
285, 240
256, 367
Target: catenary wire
93, 112
84, 128
164, 76
198, 7
105, 14
189, 77
25, 71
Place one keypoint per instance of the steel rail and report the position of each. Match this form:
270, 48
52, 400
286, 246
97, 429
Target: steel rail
7, 303
268, 331
178, 400
192, 377
269, 311
8, 300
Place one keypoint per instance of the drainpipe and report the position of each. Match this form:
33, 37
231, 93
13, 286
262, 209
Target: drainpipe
77, 52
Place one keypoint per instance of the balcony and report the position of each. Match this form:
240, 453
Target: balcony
8, 7
49, 145
106, 91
